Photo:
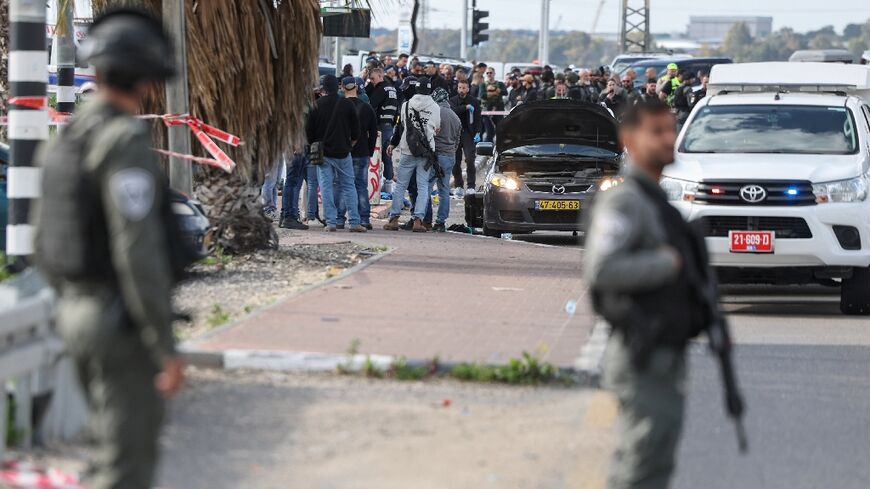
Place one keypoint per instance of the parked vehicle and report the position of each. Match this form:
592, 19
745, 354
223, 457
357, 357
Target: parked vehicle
822, 56
548, 160
623, 62
694, 65
774, 165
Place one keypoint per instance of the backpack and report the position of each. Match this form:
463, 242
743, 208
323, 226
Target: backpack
72, 242
418, 144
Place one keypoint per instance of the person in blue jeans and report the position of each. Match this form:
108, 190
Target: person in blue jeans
290, 195
360, 154
446, 142
269, 190
333, 122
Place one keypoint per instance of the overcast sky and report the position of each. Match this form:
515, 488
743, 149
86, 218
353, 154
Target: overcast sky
667, 15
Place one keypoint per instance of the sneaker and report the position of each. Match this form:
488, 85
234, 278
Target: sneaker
368, 226
339, 226
428, 226
392, 224
329, 229
470, 191
357, 229
292, 224
408, 226
418, 226
439, 227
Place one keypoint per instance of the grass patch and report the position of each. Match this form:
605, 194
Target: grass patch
400, 370
526, 370
352, 350
217, 316
5, 274
217, 258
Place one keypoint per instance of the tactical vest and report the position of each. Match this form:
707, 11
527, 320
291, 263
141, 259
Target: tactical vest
72, 242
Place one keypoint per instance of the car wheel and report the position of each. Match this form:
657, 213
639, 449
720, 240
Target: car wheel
855, 293
492, 233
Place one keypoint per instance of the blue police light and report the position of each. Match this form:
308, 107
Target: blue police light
791, 192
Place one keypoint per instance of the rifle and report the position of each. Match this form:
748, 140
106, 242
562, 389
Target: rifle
720, 345
431, 156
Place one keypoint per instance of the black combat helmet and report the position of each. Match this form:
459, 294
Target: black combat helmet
128, 46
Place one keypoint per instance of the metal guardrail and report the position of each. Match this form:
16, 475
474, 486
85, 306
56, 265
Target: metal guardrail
29, 352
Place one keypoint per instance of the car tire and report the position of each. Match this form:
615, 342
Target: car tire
490, 232
855, 293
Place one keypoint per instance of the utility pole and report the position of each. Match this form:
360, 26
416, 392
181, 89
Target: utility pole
180, 170
463, 33
544, 36
634, 33
28, 122
66, 60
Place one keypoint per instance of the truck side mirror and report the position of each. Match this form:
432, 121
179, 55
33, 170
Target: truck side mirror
483, 149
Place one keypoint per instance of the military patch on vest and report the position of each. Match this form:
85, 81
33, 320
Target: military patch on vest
132, 192
609, 231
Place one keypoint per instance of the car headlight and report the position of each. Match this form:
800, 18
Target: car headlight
679, 189
504, 181
852, 190
609, 182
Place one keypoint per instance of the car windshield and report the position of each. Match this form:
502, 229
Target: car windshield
580, 150
771, 129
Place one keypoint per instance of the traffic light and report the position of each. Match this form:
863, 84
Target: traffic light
477, 26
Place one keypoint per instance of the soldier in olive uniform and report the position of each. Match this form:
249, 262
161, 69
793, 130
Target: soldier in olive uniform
103, 241
642, 262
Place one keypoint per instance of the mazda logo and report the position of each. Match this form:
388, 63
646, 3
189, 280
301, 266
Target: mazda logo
753, 193
558, 189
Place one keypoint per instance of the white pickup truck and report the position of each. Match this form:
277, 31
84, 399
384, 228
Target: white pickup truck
773, 166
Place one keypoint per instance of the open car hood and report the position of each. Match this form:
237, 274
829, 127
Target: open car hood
558, 121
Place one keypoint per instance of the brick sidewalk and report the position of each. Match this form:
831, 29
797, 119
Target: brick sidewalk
458, 297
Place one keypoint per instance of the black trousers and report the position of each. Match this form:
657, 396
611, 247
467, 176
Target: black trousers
466, 145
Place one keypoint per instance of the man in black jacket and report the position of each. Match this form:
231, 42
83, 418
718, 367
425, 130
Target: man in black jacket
385, 100
333, 121
468, 109
361, 154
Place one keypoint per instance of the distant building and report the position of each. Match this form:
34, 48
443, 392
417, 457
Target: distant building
711, 29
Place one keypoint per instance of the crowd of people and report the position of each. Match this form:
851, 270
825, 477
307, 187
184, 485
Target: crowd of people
445, 109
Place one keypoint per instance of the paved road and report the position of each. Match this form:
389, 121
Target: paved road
805, 370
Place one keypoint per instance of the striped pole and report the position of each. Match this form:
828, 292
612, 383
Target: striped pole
66, 59
28, 76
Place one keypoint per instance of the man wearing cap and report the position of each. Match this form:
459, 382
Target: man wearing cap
334, 123
361, 154
669, 77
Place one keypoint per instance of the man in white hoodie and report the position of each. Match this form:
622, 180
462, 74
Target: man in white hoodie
420, 112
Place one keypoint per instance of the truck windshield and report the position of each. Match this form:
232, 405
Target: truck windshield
799, 129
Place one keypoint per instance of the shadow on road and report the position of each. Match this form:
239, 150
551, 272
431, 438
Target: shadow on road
766, 300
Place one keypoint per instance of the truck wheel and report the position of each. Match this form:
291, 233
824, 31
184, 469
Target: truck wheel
855, 293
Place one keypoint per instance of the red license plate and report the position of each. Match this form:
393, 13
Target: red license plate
751, 241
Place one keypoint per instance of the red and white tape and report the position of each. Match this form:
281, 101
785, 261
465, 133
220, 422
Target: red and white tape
19, 475
206, 134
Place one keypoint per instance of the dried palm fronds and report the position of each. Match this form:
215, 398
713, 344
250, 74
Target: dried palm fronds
251, 66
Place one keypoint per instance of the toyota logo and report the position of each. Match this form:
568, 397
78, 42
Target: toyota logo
558, 189
753, 193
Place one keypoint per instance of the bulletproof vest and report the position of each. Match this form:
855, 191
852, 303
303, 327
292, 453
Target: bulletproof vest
670, 315
390, 106
72, 241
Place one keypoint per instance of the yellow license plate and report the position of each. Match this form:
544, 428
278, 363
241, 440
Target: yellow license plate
557, 205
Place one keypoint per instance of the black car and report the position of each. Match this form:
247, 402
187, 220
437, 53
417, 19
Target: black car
192, 221
548, 160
